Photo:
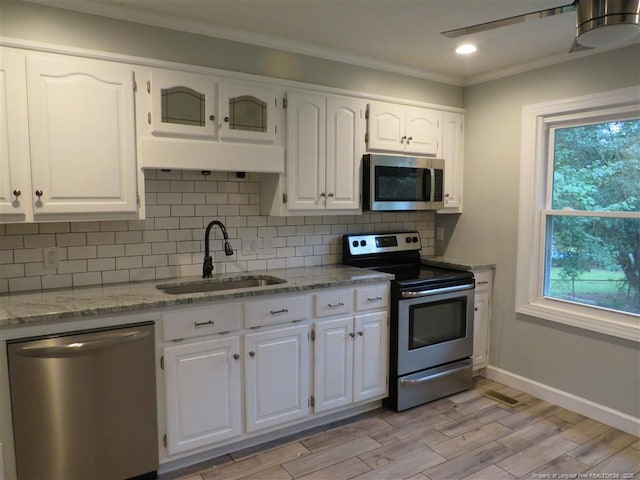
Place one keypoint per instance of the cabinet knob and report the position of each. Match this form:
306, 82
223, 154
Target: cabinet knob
226, 119
252, 354
475, 309
236, 356
446, 195
409, 140
403, 139
39, 193
17, 193
212, 117
331, 194
352, 334
323, 194
360, 333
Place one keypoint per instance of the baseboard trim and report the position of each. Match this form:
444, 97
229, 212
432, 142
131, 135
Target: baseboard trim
602, 413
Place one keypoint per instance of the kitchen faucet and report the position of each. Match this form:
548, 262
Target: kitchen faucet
207, 267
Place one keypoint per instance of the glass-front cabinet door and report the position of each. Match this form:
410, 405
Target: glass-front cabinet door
247, 112
182, 104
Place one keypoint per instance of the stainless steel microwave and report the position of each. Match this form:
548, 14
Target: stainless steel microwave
396, 182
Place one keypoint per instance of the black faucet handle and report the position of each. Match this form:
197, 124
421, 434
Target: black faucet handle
207, 267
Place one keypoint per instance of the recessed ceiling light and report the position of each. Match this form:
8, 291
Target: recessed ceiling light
466, 49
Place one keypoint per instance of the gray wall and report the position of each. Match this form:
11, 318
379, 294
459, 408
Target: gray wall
593, 366
52, 25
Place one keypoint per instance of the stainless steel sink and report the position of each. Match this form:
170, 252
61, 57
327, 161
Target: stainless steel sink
218, 284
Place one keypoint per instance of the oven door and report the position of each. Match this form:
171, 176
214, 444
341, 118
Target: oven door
434, 327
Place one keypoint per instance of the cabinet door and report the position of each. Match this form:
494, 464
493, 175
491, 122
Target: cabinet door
370, 356
277, 377
422, 131
386, 127
345, 147
333, 363
182, 104
306, 156
202, 387
15, 184
452, 153
82, 133
480, 329
247, 113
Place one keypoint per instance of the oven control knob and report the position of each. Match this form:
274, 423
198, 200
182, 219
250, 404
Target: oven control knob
408, 239
415, 239
363, 243
355, 243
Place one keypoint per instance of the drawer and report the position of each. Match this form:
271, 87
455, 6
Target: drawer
483, 280
277, 310
333, 302
372, 298
200, 321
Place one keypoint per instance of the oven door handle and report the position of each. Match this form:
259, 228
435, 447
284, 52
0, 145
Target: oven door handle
406, 381
426, 293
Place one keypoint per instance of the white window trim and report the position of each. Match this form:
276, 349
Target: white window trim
533, 177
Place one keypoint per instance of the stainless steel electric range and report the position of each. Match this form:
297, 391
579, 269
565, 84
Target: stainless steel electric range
431, 324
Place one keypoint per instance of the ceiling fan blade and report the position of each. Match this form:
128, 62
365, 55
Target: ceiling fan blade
577, 47
481, 27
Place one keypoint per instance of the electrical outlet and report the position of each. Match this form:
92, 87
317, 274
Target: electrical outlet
249, 245
51, 258
440, 234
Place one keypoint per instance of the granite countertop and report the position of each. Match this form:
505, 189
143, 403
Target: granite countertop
456, 263
23, 309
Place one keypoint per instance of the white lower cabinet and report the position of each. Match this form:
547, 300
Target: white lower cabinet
481, 318
276, 371
202, 386
234, 370
370, 356
350, 360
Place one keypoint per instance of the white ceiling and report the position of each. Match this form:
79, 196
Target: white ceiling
396, 35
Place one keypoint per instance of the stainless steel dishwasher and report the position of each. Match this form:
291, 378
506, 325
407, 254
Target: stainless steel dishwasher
84, 404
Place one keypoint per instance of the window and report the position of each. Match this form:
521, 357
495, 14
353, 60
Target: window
579, 225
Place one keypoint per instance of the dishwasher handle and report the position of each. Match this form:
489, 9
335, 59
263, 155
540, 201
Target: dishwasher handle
78, 348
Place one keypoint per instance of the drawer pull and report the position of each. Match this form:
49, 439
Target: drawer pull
203, 324
276, 312
335, 305
482, 283
374, 299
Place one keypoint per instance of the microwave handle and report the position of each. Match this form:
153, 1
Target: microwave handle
427, 185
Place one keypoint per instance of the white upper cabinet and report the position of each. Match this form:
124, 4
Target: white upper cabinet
305, 152
344, 150
15, 182
324, 152
68, 149
247, 112
403, 129
453, 155
182, 104
82, 133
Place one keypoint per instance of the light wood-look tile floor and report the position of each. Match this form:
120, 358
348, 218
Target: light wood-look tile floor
464, 436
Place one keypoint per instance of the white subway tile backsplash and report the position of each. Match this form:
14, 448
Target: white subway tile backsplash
170, 242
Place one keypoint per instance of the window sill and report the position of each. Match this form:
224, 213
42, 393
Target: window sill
602, 321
